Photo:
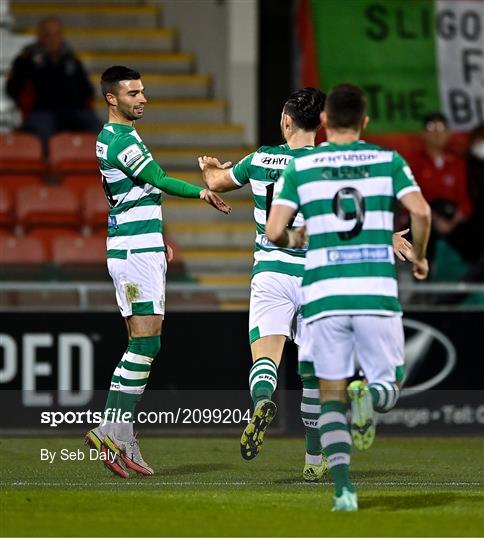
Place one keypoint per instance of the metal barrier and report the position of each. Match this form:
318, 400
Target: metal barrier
98, 296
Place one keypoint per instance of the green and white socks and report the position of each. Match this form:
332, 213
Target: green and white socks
384, 396
336, 443
262, 379
128, 384
310, 413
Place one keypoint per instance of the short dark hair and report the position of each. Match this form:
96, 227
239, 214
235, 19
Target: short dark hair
113, 75
435, 117
345, 106
305, 107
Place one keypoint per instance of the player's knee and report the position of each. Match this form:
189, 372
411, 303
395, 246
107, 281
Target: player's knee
145, 346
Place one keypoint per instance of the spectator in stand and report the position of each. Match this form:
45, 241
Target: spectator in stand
442, 178
50, 85
475, 171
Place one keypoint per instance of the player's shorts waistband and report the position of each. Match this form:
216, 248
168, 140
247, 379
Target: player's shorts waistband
123, 253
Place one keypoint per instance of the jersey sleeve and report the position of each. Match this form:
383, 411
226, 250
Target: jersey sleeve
240, 173
403, 179
129, 155
285, 190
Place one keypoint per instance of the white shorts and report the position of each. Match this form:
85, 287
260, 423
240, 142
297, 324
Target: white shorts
139, 281
275, 306
376, 341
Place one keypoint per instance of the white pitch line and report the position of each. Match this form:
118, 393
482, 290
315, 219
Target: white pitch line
149, 483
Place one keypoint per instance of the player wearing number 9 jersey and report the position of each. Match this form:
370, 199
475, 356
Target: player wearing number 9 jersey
275, 301
346, 190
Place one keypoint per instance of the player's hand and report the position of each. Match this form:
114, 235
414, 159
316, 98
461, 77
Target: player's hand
169, 253
420, 269
215, 200
297, 238
207, 161
402, 248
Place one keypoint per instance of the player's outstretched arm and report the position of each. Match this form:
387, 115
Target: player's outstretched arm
153, 174
215, 200
421, 219
216, 175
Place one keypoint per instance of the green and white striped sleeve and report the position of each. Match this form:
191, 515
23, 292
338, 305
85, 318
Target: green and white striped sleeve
240, 173
285, 190
126, 153
403, 180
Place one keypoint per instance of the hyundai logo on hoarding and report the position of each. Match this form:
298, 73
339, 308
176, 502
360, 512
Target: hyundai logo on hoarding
422, 338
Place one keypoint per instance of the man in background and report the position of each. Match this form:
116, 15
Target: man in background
50, 86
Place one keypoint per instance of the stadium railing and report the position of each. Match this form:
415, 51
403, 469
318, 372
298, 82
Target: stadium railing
94, 296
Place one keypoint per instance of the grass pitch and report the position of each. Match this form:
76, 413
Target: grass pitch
406, 487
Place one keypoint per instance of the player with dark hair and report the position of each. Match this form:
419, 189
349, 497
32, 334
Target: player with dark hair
275, 301
133, 183
346, 191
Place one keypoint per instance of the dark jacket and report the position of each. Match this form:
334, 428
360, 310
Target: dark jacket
36, 82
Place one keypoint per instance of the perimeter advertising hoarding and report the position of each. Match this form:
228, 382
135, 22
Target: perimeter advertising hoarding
55, 366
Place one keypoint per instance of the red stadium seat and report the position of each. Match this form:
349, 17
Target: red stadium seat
73, 153
95, 209
21, 153
79, 249
47, 206
81, 183
47, 236
13, 183
6, 209
80, 257
20, 250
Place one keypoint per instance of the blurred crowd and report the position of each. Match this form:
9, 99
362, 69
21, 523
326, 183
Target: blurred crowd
52, 90
453, 184
51, 87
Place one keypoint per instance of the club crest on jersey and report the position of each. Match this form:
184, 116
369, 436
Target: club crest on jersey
130, 154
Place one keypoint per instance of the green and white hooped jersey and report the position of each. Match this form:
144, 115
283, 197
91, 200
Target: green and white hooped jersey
262, 169
346, 194
134, 221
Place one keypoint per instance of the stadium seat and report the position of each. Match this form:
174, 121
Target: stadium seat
21, 153
13, 183
47, 206
80, 257
47, 236
82, 182
95, 209
21, 250
73, 153
21, 258
79, 250
6, 209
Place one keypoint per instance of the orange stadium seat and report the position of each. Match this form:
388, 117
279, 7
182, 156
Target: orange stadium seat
47, 206
80, 257
47, 236
79, 249
21, 250
6, 209
80, 183
95, 209
12, 183
21, 153
73, 153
